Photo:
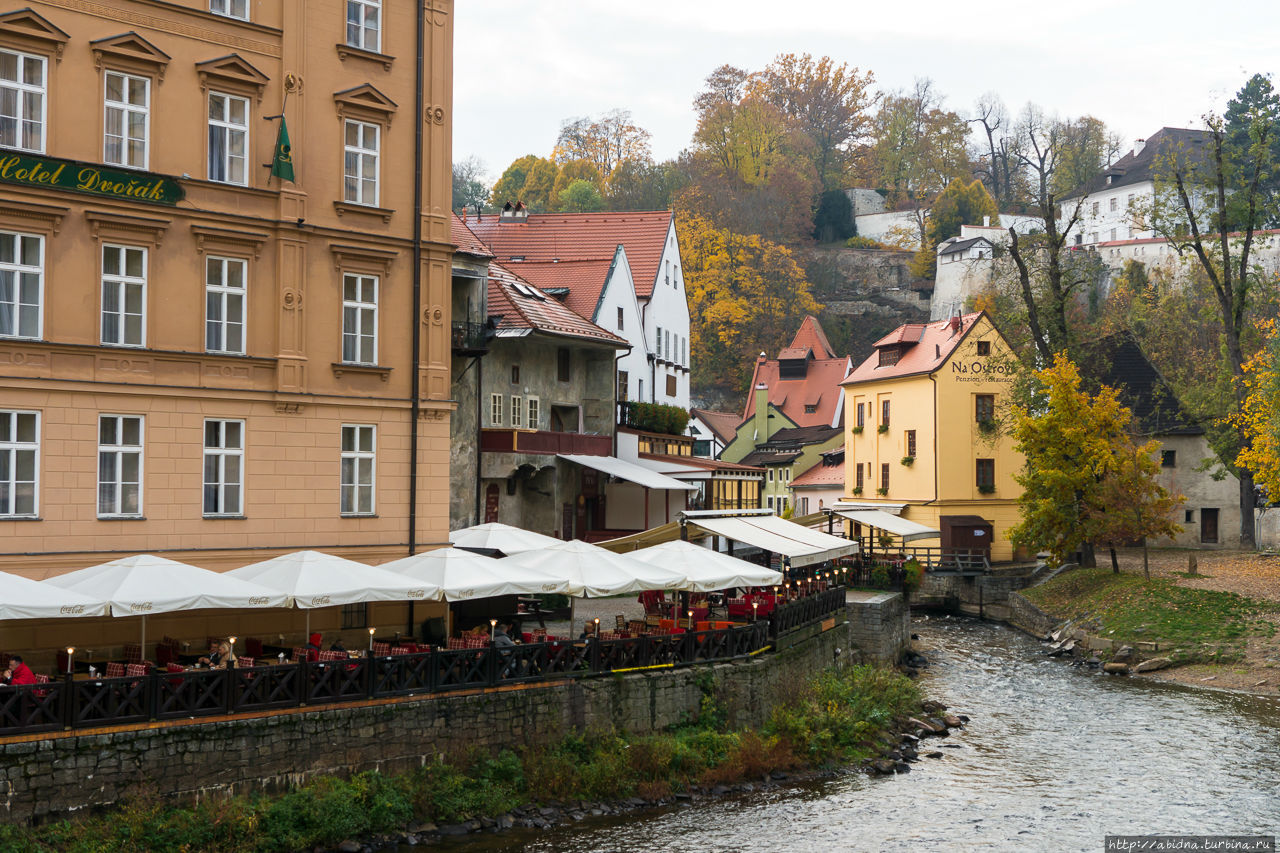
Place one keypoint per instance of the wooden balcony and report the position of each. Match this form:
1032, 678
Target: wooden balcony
544, 441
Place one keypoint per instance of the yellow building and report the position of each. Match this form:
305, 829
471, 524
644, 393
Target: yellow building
214, 346
919, 432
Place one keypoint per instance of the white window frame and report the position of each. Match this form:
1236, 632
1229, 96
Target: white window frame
359, 458
228, 129
227, 8
126, 108
365, 317
121, 282
354, 188
223, 293
23, 93
119, 451
358, 17
535, 412
517, 411
497, 403
15, 270
224, 458
10, 446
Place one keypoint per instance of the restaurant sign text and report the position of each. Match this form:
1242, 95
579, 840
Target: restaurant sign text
33, 170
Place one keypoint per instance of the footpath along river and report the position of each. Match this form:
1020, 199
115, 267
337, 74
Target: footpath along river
1055, 758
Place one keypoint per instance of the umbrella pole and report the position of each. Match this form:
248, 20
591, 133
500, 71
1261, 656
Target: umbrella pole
573, 601
143, 645
307, 634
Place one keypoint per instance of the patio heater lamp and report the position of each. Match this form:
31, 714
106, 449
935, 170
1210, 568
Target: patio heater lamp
371, 630
493, 629
71, 650
596, 633
232, 641
755, 610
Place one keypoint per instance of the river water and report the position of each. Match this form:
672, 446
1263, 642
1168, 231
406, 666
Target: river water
1054, 759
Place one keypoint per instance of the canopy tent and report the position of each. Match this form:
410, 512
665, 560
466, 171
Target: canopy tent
889, 523
593, 571
144, 584
23, 598
799, 544
628, 471
313, 579
704, 569
464, 575
495, 536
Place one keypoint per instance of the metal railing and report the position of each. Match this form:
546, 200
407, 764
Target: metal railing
469, 337
803, 611
69, 703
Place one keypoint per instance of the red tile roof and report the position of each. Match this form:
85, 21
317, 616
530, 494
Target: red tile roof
812, 337
723, 424
539, 312
578, 236
585, 279
936, 342
466, 240
908, 333
819, 387
821, 475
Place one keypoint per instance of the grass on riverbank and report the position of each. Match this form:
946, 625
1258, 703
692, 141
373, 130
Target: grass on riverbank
837, 717
1205, 625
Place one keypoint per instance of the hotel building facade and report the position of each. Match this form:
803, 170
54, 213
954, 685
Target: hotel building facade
198, 357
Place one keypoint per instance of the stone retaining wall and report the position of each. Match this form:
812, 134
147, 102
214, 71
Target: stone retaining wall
45, 776
1025, 615
880, 628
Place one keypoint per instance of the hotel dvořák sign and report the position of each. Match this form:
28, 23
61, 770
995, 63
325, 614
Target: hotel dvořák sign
34, 170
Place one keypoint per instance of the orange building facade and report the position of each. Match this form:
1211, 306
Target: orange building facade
199, 358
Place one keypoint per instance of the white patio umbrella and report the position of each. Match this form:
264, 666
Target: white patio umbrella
595, 572
494, 536
704, 569
464, 575
23, 598
145, 584
314, 579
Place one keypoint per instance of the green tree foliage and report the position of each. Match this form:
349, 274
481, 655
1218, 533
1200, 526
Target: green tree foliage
1083, 148
529, 179
1257, 98
745, 294
580, 197
959, 204
1085, 478
641, 185
834, 220
469, 190
572, 172
919, 146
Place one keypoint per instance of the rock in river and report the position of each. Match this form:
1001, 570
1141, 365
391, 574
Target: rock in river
1152, 665
1116, 668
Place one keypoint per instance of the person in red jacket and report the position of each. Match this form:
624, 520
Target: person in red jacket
18, 673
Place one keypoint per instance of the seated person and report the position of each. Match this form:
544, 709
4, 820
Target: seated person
213, 657
337, 646
18, 673
588, 631
313, 642
501, 639
223, 658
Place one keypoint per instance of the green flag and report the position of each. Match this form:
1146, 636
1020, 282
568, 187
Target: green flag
282, 159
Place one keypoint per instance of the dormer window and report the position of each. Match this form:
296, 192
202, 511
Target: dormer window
889, 356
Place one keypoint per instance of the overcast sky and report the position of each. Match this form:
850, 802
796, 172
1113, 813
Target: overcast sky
523, 66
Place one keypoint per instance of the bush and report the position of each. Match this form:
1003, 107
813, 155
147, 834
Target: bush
658, 417
864, 243
913, 574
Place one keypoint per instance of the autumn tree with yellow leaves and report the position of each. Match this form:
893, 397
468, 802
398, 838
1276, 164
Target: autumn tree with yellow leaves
1086, 479
1259, 418
745, 295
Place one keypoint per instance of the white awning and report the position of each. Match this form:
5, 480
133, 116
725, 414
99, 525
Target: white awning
628, 471
894, 524
796, 542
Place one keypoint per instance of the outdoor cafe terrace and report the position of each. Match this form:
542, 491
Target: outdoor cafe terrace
723, 609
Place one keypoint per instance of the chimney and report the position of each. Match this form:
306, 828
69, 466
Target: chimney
954, 324
514, 212
762, 413
986, 222
1138, 145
